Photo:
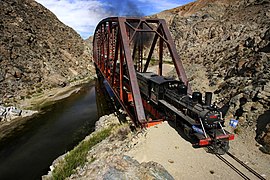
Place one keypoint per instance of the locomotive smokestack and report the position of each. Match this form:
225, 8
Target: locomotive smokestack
208, 98
183, 89
197, 97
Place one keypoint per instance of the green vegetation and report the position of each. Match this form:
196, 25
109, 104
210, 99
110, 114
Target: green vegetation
77, 157
237, 130
153, 62
169, 62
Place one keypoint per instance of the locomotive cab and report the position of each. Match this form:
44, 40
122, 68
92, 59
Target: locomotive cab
153, 86
160, 84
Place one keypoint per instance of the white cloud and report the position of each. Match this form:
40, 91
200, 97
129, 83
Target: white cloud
81, 15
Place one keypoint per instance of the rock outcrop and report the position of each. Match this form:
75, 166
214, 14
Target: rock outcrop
225, 48
10, 113
37, 51
124, 167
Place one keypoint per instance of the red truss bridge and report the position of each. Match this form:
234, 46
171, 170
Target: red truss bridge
123, 50
124, 46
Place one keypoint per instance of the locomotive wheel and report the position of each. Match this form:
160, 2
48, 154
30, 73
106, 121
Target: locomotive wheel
221, 147
187, 131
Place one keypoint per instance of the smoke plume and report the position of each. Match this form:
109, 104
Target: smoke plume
123, 8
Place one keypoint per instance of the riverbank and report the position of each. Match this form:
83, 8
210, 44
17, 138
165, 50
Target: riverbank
37, 103
47, 97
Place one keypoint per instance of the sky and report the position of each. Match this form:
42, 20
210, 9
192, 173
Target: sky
84, 15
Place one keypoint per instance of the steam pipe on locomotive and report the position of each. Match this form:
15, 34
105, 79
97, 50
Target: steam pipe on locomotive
167, 98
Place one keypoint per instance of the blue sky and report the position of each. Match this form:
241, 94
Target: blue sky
83, 15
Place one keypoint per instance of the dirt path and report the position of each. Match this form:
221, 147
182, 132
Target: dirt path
164, 145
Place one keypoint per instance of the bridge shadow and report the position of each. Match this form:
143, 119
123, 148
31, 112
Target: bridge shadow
106, 104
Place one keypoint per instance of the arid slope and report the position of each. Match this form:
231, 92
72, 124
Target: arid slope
37, 51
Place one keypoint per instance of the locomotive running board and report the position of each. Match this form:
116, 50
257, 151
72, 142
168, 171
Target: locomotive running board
176, 111
203, 141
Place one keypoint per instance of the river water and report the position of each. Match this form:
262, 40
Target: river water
30, 151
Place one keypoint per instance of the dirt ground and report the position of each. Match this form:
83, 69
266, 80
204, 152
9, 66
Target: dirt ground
247, 149
164, 145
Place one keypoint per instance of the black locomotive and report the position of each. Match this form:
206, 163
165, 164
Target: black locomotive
200, 119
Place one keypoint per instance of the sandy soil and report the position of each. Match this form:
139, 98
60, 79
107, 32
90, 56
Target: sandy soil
166, 69
163, 144
247, 149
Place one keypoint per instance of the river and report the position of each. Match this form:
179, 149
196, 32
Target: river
30, 151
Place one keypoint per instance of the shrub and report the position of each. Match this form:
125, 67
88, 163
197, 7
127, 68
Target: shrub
78, 156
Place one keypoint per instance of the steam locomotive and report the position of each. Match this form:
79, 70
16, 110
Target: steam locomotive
201, 121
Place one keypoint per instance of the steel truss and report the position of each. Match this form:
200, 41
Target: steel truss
123, 46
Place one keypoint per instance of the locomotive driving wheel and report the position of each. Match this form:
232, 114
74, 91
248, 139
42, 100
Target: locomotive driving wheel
221, 147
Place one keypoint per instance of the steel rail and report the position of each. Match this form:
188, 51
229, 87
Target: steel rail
232, 166
246, 166
235, 168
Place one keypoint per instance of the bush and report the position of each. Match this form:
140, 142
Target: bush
78, 156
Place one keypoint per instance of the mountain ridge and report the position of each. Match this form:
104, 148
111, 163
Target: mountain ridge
38, 52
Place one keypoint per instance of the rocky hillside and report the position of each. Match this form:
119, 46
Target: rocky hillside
226, 45
37, 51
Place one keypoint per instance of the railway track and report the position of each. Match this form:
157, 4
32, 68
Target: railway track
237, 170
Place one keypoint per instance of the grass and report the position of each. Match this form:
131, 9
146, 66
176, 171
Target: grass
78, 156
